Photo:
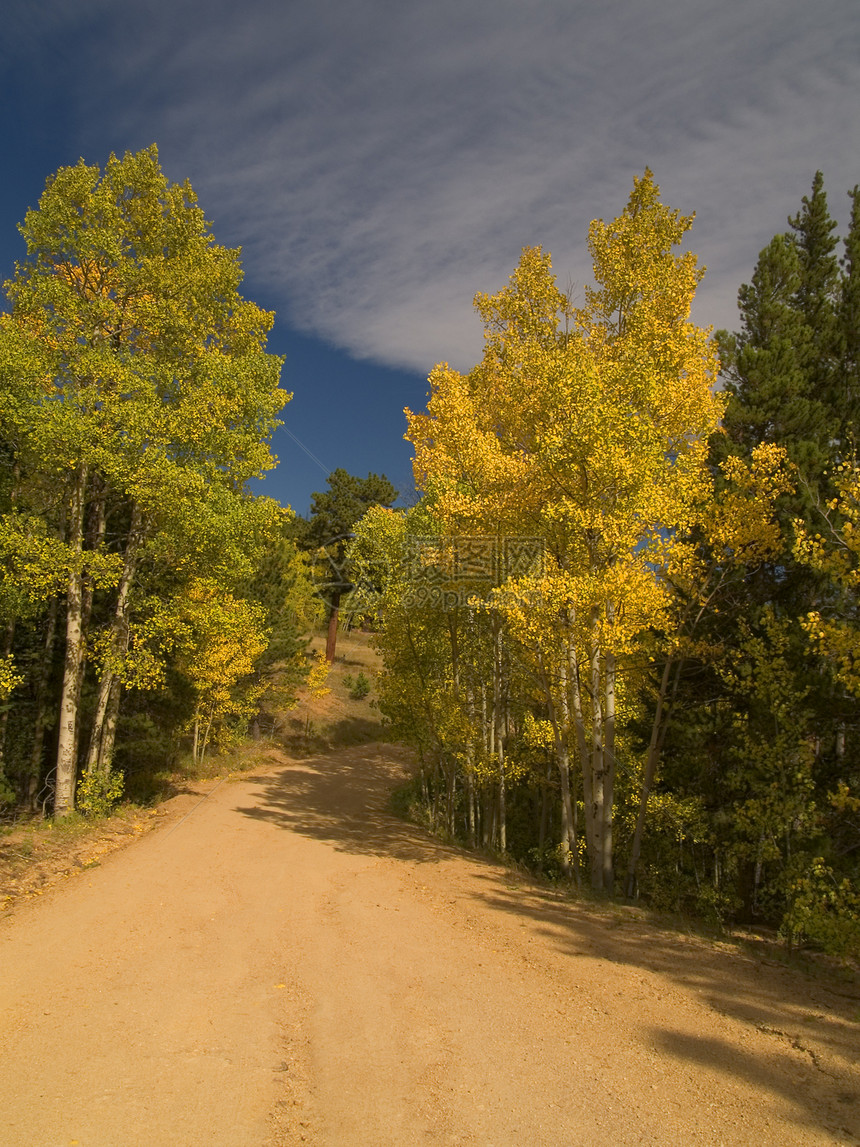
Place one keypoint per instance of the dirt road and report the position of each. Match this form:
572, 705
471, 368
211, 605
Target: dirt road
285, 963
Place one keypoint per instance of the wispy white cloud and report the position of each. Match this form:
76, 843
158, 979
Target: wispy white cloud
382, 161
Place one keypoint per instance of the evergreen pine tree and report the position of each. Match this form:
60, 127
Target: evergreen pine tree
790, 374
818, 288
847, 395
334, 512
783, 369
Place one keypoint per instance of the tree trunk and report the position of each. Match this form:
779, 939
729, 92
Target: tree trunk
453, 813
657, 733
331, 637
573, 686
64, 799
43, 675
470, 768
503, 811
498, 731
207, 731
100, 752
470, 796
196, 737
598, 762
559, 719
109, 729
608, 771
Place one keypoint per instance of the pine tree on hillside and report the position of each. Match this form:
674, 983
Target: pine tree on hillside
790, 374
334, 513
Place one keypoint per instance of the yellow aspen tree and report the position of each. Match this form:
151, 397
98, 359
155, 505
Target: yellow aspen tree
587, 427
223, 637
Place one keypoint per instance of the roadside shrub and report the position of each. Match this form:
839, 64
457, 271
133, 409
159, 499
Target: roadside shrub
823, 910
98, 793
359, 688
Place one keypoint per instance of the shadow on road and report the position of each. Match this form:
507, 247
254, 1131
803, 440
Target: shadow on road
342, 797
810, 1021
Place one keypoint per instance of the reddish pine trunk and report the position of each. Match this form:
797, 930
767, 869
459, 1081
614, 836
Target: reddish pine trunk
331, 638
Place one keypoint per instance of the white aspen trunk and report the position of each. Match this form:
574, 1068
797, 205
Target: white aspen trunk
597, 762
565, 775
42, 679
453, 637
485, 736
568, 832
490, 729
99, 755
470, 768
559, 719
497, 729
649, 773
94, 752
608, 772
208, 731
503, 821
575, 691
452, 812
109, 732
67, 740
196, 738
470, 798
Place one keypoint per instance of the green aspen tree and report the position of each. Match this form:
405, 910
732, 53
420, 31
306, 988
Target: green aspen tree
156, 397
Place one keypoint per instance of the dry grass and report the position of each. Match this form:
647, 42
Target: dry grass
318, 723
35, 855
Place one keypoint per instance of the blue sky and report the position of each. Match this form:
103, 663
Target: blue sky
381, 161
